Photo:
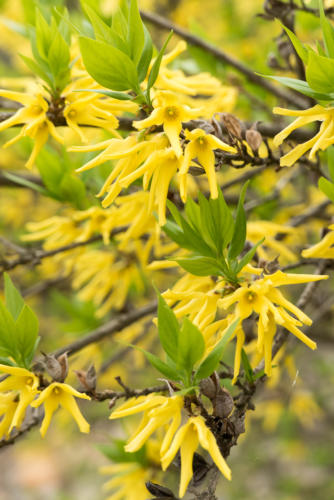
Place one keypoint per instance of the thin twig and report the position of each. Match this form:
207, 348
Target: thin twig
226, 58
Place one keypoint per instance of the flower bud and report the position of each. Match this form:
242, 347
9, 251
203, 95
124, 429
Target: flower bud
208, 387
254, 139
56, 367
223, 403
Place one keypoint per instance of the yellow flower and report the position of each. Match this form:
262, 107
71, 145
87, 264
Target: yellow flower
322, 250
170, 113
88, 110
8, 407
262, 297
33, 115
23, 382
322, 140
187, 439
58, 394
201, 146
159, 411
128, 481
256, 230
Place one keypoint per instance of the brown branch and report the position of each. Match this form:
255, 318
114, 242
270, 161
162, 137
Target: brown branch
224, 57
113, 326
127, 393
35, 420
34, 256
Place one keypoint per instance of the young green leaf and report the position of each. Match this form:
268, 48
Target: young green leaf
136, 34
247, 367
210, 363
320, 73
190, 347
162, 367
156, 66
108, 65
299, 47
168, 328
302, 87
14, 300
26, 332
200, 266
327, 188
240, 227
327, 31
249, 255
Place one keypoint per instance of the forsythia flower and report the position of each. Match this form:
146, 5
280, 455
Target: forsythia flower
187, 439
8, 407
322, 140
322, 250
262, 297
170, 113
201, 146
128, 481
36, 124
20, 382
159, 411
59, 394
88, 110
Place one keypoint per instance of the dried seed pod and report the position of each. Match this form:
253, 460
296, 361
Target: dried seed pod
63, 361
254, 139
53, 367
223, 403
208, 388
232, 124
158, 490
87, 379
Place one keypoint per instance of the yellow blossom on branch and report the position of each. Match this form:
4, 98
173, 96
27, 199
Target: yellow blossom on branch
322, 139
263, 298
187, 439
324, 249
159, 411
59, 394
201, 147
24, 384
170, 113
33, 117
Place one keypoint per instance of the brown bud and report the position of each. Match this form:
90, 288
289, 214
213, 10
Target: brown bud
87, 379
53, 367
208, 387
223, 403
63, 361
158, 490
232, 124
254, 139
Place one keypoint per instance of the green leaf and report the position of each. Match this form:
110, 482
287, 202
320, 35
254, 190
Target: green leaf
240, 227
327, 188
302, 87
101, 30
320, 73
247, 367
121, 96
13, 298
249, 255
327, 31
25, 182
136, 35
156, 66
59, 60
37, 70
210, 363
26, 332
6, 361
8, 345
162, 367
330, 162
146, 56
109, 66
168, 328
299, 47
116, 453
200, 266
190, 347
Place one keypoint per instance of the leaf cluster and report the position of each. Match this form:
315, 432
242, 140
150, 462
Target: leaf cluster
213, 236
120, 55
184, 348
319, 64
50, 41
18, 328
